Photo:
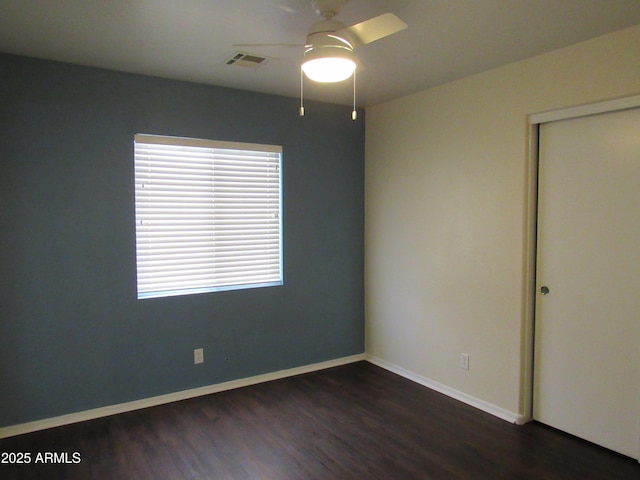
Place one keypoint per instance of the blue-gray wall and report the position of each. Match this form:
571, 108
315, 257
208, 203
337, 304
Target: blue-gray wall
73, 336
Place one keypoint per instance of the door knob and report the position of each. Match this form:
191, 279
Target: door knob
544, 290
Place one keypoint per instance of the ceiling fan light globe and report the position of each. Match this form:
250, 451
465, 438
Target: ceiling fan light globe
329, 69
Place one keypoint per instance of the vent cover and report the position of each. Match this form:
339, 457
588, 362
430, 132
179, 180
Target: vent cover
247, 60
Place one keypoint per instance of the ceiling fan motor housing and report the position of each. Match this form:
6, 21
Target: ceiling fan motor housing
328, 33
329, 38
329, 47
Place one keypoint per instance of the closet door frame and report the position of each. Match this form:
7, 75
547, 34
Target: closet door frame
530, 238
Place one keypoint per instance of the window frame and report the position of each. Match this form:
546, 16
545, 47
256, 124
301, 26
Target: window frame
258, 218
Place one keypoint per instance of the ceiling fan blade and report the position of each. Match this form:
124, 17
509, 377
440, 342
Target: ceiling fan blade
376, 28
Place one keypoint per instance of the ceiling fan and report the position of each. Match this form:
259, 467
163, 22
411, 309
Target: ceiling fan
328, 51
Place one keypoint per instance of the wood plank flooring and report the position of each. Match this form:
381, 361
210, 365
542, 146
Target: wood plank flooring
352, 422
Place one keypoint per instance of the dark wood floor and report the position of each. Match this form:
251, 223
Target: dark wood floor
352, 422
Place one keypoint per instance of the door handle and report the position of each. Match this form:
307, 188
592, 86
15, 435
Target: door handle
544, 290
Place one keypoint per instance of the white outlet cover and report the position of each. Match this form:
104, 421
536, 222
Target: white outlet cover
198, 355
464, 361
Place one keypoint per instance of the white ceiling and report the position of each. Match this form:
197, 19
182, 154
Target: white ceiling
191, 39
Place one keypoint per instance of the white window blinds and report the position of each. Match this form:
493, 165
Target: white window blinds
207, 215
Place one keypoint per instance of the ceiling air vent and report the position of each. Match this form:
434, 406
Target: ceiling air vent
247, 60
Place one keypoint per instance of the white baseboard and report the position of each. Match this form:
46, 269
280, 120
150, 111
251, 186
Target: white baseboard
450, 392
43, 424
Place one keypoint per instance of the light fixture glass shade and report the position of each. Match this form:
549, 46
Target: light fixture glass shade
329, 69
329, 62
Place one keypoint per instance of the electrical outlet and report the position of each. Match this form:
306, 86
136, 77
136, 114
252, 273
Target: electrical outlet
464, 361
198, 355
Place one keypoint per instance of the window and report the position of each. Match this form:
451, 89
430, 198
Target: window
207, 215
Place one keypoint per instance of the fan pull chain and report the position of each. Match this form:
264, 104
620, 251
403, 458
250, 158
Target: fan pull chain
301, 93
354, 114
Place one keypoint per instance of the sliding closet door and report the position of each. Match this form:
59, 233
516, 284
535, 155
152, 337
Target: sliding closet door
587, 327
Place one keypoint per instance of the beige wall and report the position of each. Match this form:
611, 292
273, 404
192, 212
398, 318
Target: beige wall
446, 214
